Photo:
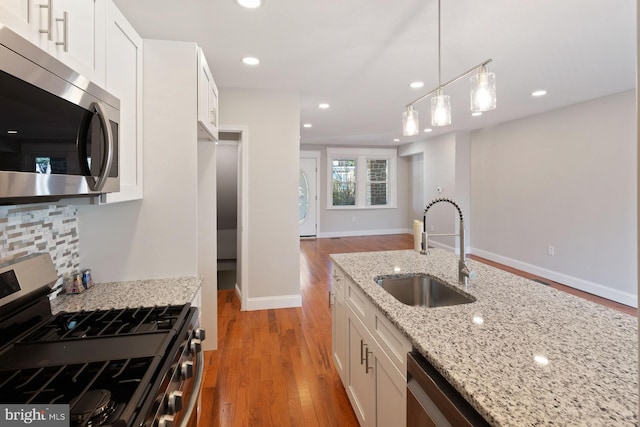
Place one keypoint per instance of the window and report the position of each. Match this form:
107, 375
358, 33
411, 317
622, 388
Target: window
361, 178
343, 172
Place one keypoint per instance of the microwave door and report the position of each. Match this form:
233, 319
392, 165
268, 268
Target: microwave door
95, 146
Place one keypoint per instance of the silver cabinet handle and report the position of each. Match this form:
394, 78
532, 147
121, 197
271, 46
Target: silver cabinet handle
48, 31
213, 117
367, 368
65, 31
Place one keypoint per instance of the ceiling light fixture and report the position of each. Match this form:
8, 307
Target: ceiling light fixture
250, 4
428, 130
476, 113
250, 60
323, 106
537, 93
416, 85
483, 95
307, 125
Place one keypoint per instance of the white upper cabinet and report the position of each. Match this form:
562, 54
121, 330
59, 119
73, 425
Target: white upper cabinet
124, 80
73, 31
207, 101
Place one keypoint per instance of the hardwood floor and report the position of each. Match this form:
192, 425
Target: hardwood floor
274, 367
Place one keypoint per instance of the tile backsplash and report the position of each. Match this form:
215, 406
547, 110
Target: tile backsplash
28, 229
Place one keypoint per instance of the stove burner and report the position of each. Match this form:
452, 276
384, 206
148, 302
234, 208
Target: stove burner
92, 408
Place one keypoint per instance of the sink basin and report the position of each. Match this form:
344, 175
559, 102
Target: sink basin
422, 291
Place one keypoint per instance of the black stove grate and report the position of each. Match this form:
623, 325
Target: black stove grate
125, 379
101, 323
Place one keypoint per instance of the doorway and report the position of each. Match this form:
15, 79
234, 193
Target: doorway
227, 209
308, 193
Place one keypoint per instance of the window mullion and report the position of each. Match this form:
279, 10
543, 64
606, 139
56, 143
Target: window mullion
361, 182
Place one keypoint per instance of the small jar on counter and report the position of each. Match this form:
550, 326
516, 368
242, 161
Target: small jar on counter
73, 284
87, 281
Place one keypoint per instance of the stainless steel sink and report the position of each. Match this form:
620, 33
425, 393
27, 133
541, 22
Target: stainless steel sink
422, 291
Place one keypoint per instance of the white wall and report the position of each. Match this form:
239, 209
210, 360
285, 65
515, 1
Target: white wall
340, 222
273, 121
155, 237
566, 178
444, 164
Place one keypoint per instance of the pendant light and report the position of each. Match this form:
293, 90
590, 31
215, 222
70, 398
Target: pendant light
483, 90
410, 122
483, 95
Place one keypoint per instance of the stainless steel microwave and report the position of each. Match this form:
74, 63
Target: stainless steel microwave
58, 131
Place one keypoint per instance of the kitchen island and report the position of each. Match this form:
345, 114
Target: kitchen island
522, 354
138, 293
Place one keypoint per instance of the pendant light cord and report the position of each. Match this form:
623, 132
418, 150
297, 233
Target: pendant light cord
439, 57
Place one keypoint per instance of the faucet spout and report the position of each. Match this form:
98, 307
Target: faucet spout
463, 270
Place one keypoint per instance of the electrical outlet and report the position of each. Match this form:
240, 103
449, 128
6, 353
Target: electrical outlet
551, 251
354, 219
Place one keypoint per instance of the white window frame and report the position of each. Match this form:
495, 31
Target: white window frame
361, 155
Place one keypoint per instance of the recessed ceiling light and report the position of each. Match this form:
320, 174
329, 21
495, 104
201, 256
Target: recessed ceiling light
476, 113
250, 4
539, 93
12, 132
324, 105
396, 140
428, 130
250, 60
416, 85
307, 125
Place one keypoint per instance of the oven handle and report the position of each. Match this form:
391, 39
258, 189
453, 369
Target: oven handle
193, 398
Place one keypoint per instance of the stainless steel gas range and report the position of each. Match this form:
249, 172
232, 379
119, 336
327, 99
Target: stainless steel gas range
138, 366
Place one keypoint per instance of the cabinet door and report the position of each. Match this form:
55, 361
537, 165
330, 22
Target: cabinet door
359, 378
390, 393
79, 36
339, 334
207, 96
27, 18
124, 80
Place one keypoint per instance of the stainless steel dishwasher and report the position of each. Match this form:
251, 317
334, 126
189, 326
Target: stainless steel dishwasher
432, 401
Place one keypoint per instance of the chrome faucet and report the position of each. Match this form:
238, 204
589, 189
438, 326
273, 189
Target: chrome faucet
463, 271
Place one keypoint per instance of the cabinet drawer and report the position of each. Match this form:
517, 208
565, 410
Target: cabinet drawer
357, 300
391, 340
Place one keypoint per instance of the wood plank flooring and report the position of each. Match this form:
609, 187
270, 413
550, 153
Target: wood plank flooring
274, 367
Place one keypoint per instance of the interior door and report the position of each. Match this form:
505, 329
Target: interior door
308, 197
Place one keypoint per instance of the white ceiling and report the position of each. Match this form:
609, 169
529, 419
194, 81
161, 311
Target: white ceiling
360, 55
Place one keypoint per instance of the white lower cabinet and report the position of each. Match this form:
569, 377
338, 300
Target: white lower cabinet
370, 355
360, 378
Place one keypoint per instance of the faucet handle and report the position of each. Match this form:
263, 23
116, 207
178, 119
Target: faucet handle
472, 275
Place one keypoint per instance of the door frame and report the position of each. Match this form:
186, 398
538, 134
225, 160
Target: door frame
315, 154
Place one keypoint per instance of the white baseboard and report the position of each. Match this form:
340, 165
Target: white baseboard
280, 301
359, 233
574, 282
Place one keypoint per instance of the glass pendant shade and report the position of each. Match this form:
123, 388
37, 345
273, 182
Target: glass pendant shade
440, 109
410, 124
483, 90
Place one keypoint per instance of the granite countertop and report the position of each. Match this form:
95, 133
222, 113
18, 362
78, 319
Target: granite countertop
136, 293
498, 363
